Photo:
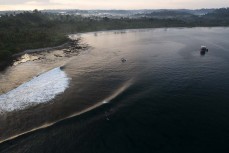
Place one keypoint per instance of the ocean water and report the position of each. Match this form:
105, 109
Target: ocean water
166, 97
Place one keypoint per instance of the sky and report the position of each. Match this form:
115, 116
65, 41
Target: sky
110, 4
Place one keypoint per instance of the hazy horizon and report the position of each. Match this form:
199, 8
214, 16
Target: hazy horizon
110, 4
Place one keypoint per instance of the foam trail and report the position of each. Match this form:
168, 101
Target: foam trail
40, 89
111, 97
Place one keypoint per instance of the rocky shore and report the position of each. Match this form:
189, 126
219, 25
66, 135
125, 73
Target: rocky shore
71, 48
31, 63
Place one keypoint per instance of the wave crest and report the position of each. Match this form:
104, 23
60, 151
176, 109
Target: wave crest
40, 89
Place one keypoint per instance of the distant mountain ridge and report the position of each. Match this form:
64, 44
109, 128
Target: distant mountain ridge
119, 13
222, 13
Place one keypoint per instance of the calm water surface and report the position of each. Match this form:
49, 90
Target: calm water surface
165, 98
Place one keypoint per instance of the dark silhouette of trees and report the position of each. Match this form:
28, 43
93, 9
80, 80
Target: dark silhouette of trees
30, 30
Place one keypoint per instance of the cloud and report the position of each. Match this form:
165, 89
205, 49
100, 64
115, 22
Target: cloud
35, 3
15, 2
110, 4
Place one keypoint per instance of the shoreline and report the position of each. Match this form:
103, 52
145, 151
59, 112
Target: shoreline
29, 51
5, 64
23, 68
70, 46
175, 27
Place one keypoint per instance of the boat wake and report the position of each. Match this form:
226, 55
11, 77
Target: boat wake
119, 91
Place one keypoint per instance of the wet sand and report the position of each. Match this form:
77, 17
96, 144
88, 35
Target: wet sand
24, 69
42, 60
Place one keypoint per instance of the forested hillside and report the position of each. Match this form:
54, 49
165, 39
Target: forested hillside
29, 30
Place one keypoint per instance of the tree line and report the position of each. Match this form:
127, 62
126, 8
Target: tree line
30, 30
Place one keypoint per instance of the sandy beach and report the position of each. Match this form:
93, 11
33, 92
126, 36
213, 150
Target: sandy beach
42, 60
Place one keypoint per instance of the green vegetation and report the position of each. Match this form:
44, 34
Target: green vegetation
27, 31
30, 30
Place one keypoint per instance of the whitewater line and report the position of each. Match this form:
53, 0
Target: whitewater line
40, 89
107, 100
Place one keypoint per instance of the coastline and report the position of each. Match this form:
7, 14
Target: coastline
6, 63
63, 46
70, 46
31, 63
129, 29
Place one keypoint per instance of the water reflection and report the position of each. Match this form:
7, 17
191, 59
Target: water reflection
168, 84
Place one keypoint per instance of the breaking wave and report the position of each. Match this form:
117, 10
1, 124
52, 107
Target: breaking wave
116, 93
40, 89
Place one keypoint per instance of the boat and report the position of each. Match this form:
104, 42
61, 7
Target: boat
203, 50
123, 60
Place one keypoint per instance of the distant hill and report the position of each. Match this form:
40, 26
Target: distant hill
199, 12
125, 13
221, 13
166, 14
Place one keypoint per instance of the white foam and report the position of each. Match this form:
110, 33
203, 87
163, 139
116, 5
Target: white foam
39, 90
